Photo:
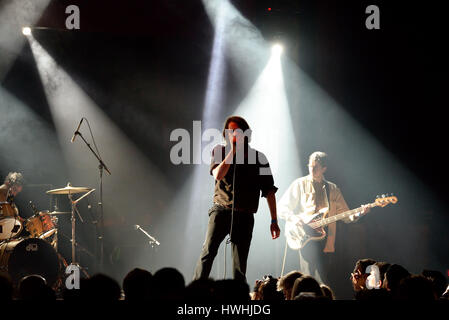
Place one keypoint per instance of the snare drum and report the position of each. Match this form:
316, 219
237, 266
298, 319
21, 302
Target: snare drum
40, 225
23, 257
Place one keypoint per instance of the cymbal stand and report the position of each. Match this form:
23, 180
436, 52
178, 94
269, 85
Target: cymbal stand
73, 220
79, 246
54, 241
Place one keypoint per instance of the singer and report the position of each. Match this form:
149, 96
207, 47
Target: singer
242, 174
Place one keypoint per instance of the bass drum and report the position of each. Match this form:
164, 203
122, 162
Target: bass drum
23, 257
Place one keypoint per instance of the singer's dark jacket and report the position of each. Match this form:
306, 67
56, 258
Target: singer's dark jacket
253, 178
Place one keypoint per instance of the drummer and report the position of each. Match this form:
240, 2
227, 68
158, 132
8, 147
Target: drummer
11, 187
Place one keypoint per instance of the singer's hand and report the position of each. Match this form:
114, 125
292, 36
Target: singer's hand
275, 230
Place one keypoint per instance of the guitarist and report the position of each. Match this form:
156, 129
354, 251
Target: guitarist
309, 195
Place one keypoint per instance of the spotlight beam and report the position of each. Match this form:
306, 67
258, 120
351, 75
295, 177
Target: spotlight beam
68, 103
13, 16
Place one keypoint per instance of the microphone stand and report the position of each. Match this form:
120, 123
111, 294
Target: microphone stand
101, 166
152, 241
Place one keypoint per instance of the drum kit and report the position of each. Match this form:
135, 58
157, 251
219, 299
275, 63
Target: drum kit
36, 253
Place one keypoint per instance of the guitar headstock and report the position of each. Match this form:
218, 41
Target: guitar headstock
385, 200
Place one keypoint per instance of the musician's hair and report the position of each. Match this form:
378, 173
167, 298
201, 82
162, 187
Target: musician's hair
14, 179
243, 125
319, 157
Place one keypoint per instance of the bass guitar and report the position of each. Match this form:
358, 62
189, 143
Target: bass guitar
300, 231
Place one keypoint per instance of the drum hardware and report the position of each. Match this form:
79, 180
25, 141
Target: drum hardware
79, 246
25, 256
56, 208
69, 190
54, 241
58, 212
33, 207
41, 224
53, 214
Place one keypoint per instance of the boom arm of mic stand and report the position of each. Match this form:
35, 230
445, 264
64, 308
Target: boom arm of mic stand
152, 239
96, 156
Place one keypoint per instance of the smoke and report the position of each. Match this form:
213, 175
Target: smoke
14, 15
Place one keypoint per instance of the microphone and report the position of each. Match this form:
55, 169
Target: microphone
76, 131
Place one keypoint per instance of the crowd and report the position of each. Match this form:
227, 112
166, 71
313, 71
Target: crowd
371, 280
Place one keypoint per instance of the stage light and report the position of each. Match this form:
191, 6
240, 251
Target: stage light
26, 31
277, 49
14, 15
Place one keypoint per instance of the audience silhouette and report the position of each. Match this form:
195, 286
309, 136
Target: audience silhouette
371, 281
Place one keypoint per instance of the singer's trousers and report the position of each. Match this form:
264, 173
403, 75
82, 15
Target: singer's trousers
218, 228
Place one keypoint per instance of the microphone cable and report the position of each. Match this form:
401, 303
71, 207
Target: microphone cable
228, 240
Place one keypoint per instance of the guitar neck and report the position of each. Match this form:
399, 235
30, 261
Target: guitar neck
346, 214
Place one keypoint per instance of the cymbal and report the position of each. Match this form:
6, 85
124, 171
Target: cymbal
58, 212
69, 190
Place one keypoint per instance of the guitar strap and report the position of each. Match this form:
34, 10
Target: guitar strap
326, 187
